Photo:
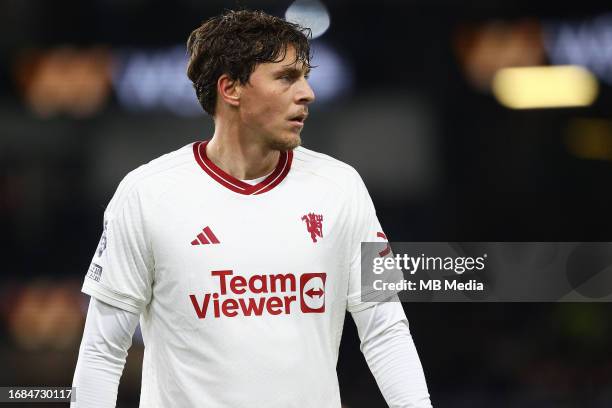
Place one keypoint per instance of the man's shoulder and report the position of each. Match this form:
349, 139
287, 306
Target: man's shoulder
324, 166
154, 177
162, 166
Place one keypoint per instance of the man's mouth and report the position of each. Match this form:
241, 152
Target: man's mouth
298, 119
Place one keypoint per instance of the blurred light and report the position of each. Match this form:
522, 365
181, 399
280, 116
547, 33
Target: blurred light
65, 80
46, 315
587, 43
486, 48
332, 76
310, 14
545, 87
155, 80
590, 139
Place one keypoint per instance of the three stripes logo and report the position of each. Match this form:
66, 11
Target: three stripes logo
205, 237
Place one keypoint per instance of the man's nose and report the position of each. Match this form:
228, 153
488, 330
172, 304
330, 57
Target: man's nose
305, 94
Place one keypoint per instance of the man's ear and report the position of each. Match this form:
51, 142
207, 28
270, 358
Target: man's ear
229, 90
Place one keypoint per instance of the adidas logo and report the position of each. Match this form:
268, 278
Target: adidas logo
205, 237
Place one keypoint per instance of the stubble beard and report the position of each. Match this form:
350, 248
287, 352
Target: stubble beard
284, 145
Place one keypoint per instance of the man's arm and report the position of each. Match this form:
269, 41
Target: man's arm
106, 340
391, 355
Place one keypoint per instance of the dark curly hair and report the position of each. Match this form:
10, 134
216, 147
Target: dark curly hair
233, 43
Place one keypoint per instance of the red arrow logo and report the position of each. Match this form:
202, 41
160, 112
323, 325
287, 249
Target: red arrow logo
315, 288
312, 292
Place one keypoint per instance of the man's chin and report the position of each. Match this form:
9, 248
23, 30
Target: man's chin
285, 144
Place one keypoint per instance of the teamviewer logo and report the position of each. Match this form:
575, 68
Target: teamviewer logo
312, 289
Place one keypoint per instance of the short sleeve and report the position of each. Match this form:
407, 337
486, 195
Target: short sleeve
121, 271
365, 227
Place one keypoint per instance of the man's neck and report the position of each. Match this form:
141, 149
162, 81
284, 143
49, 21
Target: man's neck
240, 156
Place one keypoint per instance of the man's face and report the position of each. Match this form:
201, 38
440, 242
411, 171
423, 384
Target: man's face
274, 103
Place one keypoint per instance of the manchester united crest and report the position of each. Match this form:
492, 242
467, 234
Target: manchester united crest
314, 225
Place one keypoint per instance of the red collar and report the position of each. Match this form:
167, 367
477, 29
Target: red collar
239, 186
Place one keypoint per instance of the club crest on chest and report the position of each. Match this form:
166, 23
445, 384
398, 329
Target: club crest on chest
314, 225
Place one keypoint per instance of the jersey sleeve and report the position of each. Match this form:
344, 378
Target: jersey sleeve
121, 271
365, 228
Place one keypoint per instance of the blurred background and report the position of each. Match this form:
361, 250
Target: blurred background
488, 120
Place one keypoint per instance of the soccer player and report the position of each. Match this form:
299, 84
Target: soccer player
240, 255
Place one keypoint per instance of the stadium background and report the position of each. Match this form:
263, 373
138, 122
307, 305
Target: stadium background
91, 89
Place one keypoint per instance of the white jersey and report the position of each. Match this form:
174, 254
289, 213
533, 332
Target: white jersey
242, 289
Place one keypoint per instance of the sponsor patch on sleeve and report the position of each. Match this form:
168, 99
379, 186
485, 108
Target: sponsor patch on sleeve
94, 272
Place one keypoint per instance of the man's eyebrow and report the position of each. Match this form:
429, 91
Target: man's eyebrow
292, 70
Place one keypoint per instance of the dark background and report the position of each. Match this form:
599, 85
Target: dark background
442, 158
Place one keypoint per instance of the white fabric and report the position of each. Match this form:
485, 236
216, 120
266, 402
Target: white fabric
383, 330
389, 350
256, 180
106, 339
254, 319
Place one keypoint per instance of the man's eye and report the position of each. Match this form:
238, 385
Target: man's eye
291, 77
